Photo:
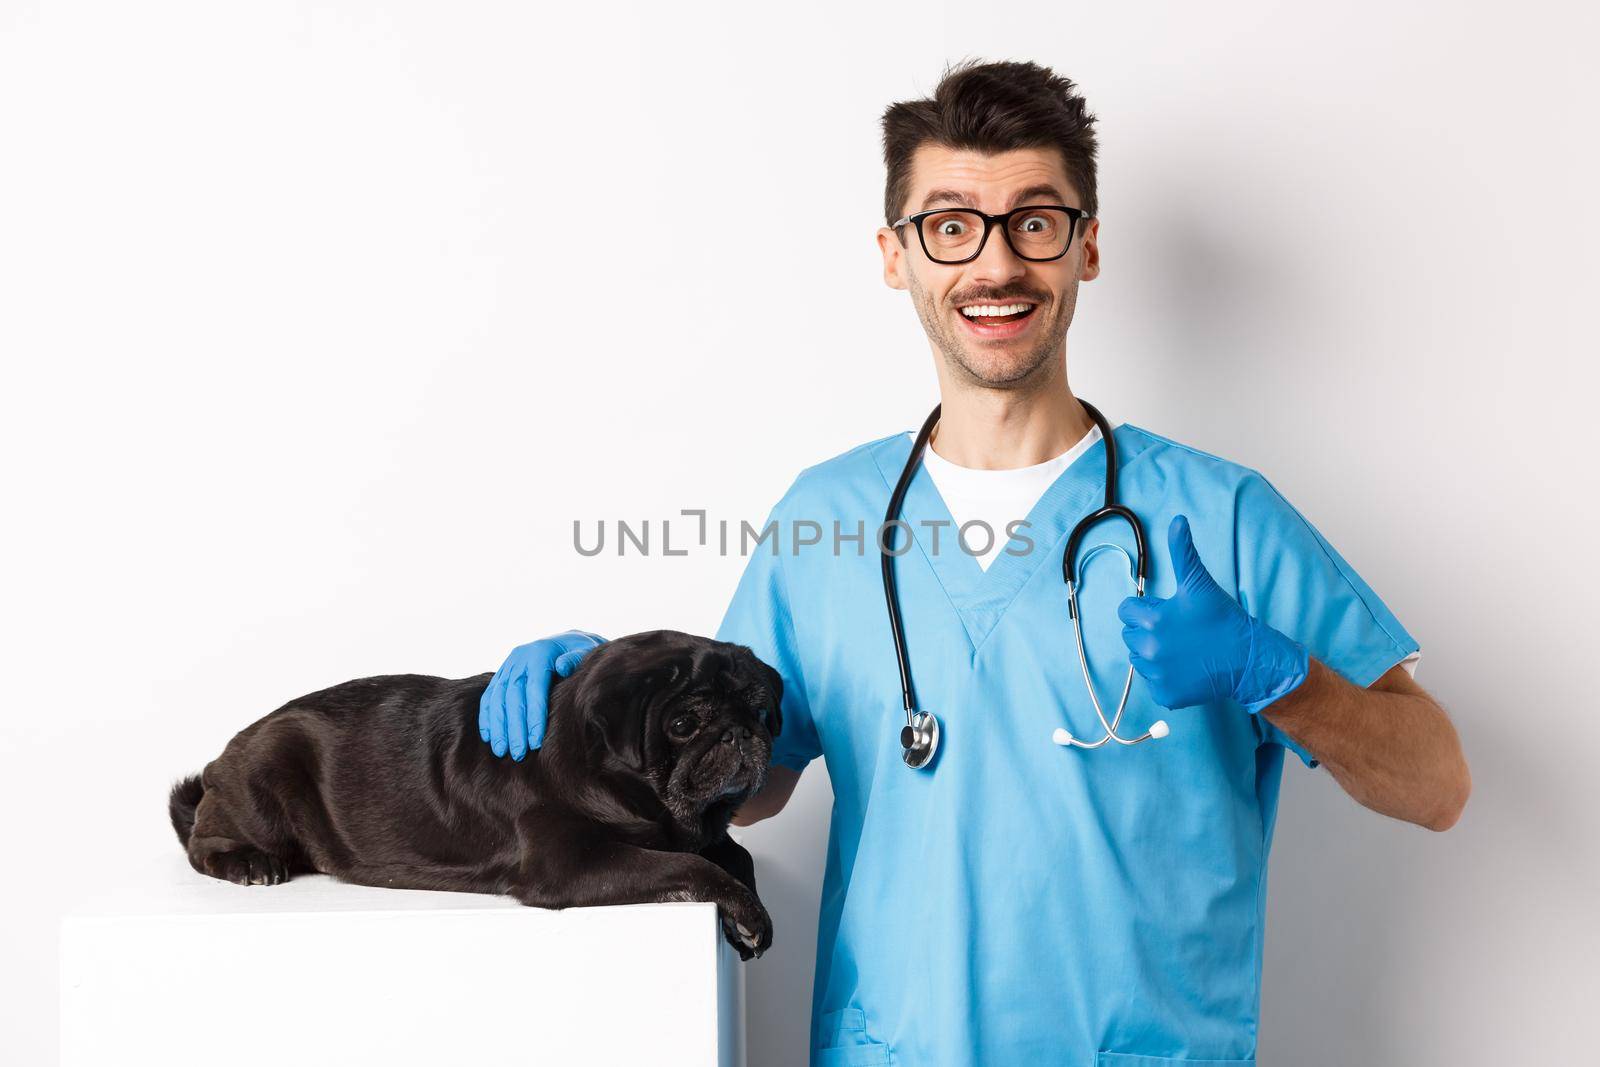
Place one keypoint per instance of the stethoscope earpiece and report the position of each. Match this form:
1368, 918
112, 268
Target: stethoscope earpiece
1061, 737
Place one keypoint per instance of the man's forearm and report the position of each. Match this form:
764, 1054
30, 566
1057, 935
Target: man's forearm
1394, 752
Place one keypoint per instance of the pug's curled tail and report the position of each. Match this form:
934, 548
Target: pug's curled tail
181, 804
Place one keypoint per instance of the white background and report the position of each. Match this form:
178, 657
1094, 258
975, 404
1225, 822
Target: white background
321, 323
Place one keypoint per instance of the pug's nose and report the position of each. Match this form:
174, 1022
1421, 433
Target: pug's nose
727, 735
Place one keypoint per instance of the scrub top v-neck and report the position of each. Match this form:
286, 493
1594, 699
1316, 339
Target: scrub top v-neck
1017, 901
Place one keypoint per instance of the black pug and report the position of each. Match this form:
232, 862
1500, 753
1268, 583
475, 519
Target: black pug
651, 745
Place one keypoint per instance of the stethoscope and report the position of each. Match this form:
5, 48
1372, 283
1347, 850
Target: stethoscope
919, 738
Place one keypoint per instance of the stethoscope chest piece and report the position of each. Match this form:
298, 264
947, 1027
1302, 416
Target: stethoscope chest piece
919, 739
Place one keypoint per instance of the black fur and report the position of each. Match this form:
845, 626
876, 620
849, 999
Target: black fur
385, 781
181, 804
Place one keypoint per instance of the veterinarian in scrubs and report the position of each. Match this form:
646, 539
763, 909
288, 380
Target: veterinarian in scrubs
1018, 901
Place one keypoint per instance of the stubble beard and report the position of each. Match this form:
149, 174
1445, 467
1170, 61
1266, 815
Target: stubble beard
1003, 367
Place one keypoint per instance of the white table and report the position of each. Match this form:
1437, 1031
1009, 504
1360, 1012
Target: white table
171, 967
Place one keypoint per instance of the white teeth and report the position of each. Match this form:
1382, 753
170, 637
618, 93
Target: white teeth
991, 310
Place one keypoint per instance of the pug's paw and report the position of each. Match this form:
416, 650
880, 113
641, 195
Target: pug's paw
745, 923
247, 866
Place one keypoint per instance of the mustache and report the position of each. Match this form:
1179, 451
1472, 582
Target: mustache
1009, 298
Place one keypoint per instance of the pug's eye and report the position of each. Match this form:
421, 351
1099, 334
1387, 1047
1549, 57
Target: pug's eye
682, 726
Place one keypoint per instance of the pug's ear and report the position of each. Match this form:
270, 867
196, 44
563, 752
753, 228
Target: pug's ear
616, 716
624, 734
619, 711
774, 682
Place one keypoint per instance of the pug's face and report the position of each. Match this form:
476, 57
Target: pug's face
692, 717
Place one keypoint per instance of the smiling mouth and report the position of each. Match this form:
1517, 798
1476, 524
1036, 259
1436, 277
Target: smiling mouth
998, 320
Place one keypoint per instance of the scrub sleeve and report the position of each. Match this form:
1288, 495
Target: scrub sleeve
759, 617
1293, 580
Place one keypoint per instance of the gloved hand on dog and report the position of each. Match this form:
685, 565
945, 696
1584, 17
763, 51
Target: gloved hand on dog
513, 709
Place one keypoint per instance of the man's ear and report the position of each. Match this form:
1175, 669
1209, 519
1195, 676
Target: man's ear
893, 248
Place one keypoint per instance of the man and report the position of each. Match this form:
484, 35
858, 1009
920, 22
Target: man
1019, 900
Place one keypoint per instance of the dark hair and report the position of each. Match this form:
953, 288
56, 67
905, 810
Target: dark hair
991, 107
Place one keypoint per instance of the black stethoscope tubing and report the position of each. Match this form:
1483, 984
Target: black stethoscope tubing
919, 737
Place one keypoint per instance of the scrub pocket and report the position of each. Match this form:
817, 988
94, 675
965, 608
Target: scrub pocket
843, 1037
1123, 1059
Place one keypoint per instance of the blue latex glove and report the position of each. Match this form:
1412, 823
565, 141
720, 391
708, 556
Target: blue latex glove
1199, 645
512, 710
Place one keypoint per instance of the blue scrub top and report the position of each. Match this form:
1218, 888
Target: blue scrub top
1016, 901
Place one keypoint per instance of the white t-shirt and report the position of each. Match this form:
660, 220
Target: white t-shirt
996, 497
999, 497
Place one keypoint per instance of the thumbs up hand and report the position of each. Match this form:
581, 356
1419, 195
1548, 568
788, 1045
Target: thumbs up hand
1199, 645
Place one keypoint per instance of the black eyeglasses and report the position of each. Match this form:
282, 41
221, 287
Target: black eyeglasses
1035, 232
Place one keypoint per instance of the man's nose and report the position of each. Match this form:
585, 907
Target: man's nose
996, 264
